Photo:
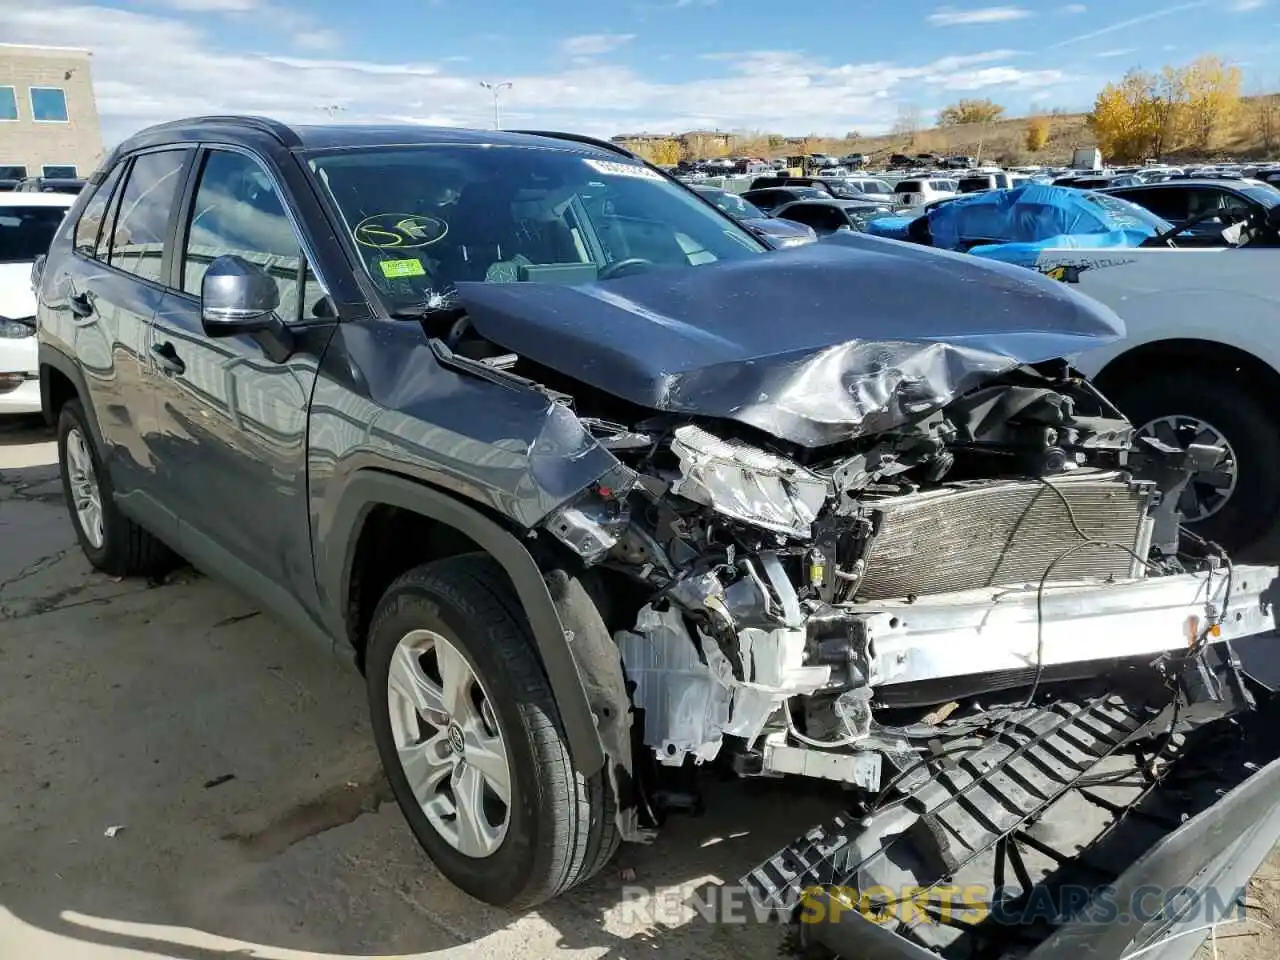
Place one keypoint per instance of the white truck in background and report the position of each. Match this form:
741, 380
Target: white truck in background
1086, 158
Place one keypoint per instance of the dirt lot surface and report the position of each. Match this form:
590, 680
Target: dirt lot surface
180, 777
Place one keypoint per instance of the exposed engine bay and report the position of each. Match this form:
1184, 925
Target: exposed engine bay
825, 557
792, 594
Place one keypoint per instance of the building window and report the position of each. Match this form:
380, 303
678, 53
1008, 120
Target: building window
8, 104
48, 104
60, 171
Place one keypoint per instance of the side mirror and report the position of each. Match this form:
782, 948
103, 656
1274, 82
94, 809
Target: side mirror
237, 296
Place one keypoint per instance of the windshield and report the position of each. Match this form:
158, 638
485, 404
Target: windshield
26, 232
426, 217
734, 205
1126, 212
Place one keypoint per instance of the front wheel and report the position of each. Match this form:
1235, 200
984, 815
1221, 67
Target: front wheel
1236, 504
472, 742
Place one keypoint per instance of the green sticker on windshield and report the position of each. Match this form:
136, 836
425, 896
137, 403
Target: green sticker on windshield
402, 268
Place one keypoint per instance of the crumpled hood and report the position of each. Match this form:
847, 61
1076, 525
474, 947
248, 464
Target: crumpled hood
815, 344
16, 298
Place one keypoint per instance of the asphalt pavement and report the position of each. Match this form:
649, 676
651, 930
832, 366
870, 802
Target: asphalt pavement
182, 777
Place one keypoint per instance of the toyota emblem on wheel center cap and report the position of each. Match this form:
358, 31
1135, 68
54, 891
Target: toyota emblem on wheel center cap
456, 743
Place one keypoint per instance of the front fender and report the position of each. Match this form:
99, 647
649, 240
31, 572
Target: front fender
335, 556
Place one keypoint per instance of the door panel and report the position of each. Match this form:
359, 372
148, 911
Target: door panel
233, 423
112, 294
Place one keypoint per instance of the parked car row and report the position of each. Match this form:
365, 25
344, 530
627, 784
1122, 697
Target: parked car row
597, 487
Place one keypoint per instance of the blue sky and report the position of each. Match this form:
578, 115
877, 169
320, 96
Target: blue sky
612, 66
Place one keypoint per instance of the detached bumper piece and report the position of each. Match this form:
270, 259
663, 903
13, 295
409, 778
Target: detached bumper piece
1011, 841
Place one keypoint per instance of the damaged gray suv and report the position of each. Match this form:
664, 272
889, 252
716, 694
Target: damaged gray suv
595, 488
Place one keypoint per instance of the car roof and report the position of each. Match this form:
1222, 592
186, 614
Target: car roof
831, 202
1187, 182
19, 199
250, 129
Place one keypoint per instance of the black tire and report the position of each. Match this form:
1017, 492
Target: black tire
1249, 521
561, 829
127, 549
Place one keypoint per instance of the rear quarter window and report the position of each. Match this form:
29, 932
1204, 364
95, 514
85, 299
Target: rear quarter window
89, 226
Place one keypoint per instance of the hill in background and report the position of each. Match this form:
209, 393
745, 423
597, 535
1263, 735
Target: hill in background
1001, 141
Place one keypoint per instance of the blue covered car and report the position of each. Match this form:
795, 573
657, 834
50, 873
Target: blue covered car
1015, 225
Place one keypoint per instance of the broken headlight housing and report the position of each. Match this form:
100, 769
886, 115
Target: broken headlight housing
747, 483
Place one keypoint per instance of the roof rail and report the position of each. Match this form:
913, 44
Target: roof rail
274, 128
581, 138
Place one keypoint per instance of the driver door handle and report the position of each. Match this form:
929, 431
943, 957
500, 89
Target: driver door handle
168, 359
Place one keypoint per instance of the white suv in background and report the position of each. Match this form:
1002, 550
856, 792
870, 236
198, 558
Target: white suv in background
917, 191
28, 222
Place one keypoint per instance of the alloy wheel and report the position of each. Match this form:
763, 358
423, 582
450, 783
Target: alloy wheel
85, 493
449, 744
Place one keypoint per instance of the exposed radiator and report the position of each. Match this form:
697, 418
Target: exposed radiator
1005, 532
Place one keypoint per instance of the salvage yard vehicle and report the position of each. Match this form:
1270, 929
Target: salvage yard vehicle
595, 487
27, 224
1192, 316
776, 232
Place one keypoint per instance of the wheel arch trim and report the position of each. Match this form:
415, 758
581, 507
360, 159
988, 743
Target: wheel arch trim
51, 358
370, 488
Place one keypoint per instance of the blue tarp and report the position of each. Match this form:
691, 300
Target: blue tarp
895, 228
1035, 213
1013, 226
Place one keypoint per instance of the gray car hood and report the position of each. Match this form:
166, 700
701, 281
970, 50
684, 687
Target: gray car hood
813, 345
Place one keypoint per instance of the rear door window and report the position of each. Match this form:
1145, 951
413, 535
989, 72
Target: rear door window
141, 226
89, 226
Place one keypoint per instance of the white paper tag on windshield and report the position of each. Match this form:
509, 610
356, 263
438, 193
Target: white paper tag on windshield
617, 169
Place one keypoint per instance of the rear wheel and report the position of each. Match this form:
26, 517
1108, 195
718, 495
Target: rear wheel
111, 541
1237, 503
472, 742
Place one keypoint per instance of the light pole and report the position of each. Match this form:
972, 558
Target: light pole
496, 89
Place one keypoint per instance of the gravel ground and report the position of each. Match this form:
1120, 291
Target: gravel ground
181, 777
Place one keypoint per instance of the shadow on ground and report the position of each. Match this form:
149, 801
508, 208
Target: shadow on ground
235, 759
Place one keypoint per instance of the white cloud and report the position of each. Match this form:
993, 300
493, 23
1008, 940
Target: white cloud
149, 68
1244, 6
211, 6
1132, 22
594, 44
1118, 52
951, 17
1072, 9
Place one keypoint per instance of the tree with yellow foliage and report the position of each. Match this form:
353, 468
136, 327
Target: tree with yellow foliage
661, 152
970, 111
1212, 97
1125, 119
1037, 134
